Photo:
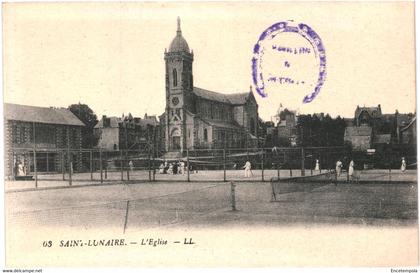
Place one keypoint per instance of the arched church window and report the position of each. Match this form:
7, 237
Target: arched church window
252, 125
205, 135
174, 77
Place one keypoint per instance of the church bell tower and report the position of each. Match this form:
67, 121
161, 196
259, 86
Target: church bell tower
179, 91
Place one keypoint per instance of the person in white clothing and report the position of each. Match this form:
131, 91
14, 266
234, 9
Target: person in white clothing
338, 167
403, 164
317, 165
247, 168
351, 170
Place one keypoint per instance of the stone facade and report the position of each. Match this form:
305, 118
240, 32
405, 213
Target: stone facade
51, 132
197, 118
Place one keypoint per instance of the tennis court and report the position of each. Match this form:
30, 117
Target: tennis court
204, 204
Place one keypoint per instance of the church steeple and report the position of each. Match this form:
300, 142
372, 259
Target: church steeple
178, 29
179, 44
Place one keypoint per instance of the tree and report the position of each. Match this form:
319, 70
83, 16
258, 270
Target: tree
89, 118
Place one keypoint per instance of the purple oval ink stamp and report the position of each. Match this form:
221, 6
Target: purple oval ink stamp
291, 57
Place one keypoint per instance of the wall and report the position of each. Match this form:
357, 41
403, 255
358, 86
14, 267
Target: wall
108, 137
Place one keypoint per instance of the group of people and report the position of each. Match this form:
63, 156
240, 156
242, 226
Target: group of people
339, 166
177, 167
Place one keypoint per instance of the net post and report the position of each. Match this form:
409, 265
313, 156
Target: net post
389, 173
188, 166
224, 164
90, 165
126, 216
232, 196
262, 164
273, 192
100, 164
35, 170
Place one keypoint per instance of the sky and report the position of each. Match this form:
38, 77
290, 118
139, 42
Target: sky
110, 55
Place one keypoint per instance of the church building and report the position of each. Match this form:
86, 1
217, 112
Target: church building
196, 118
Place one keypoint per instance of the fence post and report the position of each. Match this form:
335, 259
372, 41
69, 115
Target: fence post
63, 167
302, 167
188, 166
70, 170
154, 168
35, 170
150, 173
262, 165
14, 161
224, 164
71, 173
121, 165
90, 165
291, 174
100, 164
128, 165
106, 165
48, 167
278, 171
232, 196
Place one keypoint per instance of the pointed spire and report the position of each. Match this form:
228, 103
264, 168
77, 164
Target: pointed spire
178, 29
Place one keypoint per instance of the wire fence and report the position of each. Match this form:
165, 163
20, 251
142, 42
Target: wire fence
85, 166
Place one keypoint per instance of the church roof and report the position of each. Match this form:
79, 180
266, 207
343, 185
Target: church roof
235, 99
179, 44
219, 123
37, 114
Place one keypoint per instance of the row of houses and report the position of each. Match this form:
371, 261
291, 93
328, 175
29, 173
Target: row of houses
57, 129
372, 129
52, 137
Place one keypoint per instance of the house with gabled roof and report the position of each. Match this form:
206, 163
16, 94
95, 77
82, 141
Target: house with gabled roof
49, 130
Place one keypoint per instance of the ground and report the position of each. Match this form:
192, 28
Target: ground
382, 201
370, 223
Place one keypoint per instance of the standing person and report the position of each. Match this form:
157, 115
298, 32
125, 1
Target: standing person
338, 167
161, 169
351, 170
403, 165
182, 167
247, 168
21, 169
131, 165
317, 165
170, 168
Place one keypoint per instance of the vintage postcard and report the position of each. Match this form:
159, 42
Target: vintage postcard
210, 134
